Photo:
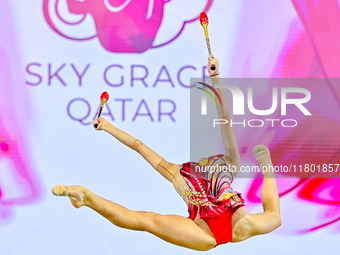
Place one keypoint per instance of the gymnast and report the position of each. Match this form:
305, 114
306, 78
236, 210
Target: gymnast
217, 213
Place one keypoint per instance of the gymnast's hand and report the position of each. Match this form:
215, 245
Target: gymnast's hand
215, 62
102, 123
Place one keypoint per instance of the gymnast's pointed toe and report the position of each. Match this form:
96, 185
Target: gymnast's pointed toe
77, 194
260, 149
60, 190
262, 155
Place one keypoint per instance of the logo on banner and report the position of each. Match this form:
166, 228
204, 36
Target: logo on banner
125, 26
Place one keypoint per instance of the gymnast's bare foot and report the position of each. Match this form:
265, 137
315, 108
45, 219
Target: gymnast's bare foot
77, 194
262, 155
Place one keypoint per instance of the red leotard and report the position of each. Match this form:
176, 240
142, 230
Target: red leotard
210, 195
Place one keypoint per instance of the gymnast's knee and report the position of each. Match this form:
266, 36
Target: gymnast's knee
277, 216
279, 221
147, 220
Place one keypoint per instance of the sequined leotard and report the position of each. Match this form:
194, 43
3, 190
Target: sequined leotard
210, 196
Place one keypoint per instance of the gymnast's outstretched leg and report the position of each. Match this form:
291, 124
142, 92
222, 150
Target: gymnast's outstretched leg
171, 228
269, 193
270, 219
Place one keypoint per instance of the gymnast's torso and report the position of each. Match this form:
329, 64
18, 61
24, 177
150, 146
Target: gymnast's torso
212, 203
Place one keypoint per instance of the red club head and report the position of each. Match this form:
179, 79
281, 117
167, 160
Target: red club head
105, 96
204, 19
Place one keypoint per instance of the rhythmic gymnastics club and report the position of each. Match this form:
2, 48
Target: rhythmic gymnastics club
204, 22
104, 98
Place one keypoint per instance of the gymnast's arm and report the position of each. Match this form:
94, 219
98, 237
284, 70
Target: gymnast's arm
166, 169
120, 135
230, 143
153, 158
